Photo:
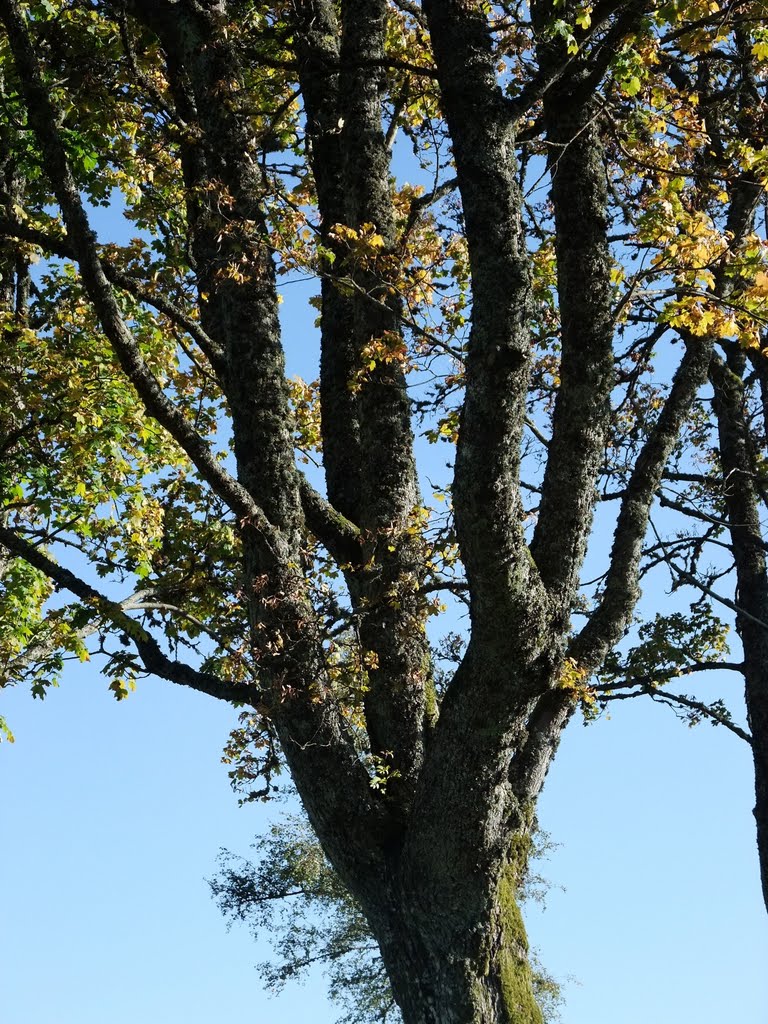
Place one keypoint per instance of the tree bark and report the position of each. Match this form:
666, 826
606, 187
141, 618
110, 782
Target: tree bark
740, 473
486, 980
454, 944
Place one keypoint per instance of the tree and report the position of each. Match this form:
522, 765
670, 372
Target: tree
573, 294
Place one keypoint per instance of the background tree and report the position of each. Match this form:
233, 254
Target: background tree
574, 297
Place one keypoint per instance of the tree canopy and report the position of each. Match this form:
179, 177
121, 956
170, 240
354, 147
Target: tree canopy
536, 236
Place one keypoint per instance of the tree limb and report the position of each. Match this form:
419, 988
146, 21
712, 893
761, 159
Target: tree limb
612, 615
582, 406
341, 537
152, 656
665, 697
60, 246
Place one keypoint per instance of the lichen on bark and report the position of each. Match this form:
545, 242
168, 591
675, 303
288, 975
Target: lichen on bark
515, 975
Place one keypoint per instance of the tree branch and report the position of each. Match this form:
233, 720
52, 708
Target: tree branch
341, 537
582, 407
59, 246
504, 580
663, 677
153, 658
665, 697
611, 617
598, 58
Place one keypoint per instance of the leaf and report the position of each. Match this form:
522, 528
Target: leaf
584, 17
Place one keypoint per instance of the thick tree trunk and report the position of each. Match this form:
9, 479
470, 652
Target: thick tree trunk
464, 962
491, 988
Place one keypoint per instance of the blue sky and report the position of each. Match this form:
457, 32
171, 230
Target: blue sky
113, 815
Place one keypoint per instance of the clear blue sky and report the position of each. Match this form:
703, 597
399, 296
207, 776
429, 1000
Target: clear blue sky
112, 817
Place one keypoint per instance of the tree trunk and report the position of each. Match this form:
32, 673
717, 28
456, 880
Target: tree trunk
442, 989
740, 470
463, 964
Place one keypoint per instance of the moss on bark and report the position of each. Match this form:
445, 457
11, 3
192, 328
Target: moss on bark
514, 969
512, 966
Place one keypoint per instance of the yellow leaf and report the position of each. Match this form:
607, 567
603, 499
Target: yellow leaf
727, 328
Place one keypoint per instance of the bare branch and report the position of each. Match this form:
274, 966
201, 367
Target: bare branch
681, 700
341, 537
676, 673
689, 578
